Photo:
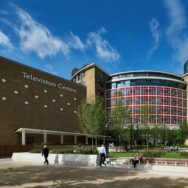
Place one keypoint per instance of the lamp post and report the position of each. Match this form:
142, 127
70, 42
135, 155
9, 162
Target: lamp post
131, 131
107, 129
137, 129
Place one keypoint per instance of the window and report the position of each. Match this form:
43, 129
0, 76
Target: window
15, 92
3, 80
4, 98
113, 85
36, 96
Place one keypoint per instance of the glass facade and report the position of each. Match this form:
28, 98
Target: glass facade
146, 82
145, 74
166, 99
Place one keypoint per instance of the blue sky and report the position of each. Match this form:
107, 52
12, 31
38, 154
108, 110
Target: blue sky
119, 35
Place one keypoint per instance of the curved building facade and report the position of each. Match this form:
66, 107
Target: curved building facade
164, 93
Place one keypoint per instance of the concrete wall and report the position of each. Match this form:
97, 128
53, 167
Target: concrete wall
55, 159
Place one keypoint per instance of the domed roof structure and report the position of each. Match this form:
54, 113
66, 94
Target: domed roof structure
186, 67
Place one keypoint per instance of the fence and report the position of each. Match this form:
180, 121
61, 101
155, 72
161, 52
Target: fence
8, 150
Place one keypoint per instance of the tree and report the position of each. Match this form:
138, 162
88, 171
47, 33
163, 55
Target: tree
155, 134
182, 133
145, 110
91, 117
120, 117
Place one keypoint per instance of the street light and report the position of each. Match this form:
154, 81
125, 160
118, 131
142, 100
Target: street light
107, 129
137, 128
131, 136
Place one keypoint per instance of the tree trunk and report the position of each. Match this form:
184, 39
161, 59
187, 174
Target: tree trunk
92, 143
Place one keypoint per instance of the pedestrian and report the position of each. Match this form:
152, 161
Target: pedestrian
102, 154
45, 152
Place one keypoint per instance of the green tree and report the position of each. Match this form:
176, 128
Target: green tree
120, 117
155, 134
145, 111
181, 133
92, 117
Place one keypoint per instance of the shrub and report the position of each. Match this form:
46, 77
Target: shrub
121, 154
62, 150
153, 154
36, 150
83, 150
86, 151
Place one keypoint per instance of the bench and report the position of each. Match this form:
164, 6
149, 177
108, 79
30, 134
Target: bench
120, 161
167, 161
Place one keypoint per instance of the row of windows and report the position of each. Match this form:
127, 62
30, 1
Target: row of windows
143, 100
146, 91
146, 82
81, 75
160, 120
156, 119
145, 74
159, 110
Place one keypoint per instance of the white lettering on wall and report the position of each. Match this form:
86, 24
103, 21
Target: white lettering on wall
47, 82
61, 86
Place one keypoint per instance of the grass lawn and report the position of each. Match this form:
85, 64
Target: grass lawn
158, 154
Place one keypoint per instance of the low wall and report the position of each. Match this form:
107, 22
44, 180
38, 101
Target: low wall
63, 159
8, 150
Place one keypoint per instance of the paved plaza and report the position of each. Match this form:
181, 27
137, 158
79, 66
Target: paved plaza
14, 174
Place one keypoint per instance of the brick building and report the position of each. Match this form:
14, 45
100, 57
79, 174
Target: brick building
37, 107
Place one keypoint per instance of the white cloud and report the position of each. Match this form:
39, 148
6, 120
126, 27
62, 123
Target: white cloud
4, 12
5, 41
75, 42
154, 24
175, 31
37, 38
103, 48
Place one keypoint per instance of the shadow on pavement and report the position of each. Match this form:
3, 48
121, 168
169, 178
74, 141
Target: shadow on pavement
60, 176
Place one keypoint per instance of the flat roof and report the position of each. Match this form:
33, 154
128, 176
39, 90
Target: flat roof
43, 131
147, 78
146, 71
41, 71
88, 67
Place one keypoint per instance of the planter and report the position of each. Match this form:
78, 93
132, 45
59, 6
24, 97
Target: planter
62, 159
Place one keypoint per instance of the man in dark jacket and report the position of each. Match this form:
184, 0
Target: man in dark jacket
45, 152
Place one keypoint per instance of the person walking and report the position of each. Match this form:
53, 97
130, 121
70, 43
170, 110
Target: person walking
45, 153
102, 154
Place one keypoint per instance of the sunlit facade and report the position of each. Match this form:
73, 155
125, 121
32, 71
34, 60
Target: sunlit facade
164, 93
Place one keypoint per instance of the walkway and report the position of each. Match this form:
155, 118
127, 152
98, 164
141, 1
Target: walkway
13, 174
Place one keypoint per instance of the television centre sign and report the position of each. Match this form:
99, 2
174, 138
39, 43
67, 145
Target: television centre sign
59, 85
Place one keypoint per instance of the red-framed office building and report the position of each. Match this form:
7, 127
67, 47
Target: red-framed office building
165, 93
